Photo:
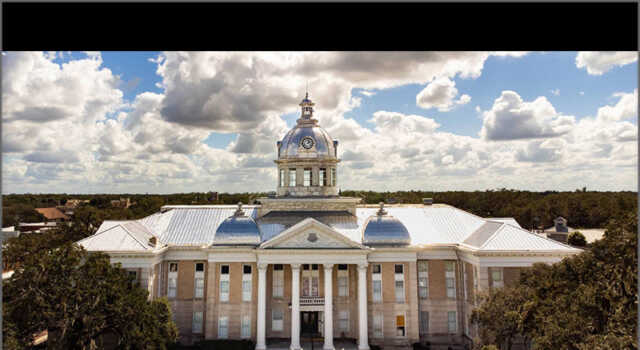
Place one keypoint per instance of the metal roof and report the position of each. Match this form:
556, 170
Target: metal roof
425, 225
510, 221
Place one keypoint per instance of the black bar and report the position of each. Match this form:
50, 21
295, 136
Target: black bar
320, 26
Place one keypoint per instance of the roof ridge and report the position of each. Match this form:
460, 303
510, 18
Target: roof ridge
493, 236
132, 234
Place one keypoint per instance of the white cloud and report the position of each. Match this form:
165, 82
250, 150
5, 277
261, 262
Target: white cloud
626, 107
555, 92
581, 93
79, 135
512, 118
440, 94
599, 62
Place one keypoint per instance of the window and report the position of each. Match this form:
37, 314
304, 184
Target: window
223, 327
246, 283
400, 291
423, 279
199, 281
450, 279
172, 290
307, 177
424, 322
134, 276
377, 325
399, 277
278, 281
310, 280
322, 177
376, 280
246, 327
292, 177
224, 283
333, 176
452, 324
496, 277
276, 320
282, 178
343, 280
400, 332
196, 325
343, 321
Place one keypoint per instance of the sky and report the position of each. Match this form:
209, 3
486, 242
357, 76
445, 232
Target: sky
169, 122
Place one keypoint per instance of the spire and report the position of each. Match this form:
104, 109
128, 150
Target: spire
307, 106
381, 211
239, 211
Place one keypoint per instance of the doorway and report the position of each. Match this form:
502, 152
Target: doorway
309, 323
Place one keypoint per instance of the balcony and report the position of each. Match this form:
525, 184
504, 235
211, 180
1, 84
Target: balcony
311, 301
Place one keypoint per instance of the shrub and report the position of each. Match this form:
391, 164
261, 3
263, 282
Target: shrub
576, 238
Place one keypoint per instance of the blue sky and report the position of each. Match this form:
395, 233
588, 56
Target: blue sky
442, 115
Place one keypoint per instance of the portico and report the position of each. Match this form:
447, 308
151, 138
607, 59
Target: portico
323, 304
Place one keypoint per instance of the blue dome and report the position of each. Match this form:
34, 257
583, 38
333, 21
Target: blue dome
238, 230
385, 230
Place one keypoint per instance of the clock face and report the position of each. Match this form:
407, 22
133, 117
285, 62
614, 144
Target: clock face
307, 142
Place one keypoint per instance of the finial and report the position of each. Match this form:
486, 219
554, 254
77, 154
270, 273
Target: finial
381, 211
239, 211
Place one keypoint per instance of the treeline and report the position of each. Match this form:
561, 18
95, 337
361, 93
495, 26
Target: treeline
582, 208
18, 208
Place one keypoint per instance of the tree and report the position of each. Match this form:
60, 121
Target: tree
84, 302
504, 316
577, 239
587, 301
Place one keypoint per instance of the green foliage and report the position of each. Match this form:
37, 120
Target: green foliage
588, 301
84, 302
577, 239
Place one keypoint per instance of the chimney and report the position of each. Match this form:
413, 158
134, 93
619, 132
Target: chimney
152, 241
335, 146
427, 201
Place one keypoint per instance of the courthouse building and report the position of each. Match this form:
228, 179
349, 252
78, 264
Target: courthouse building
307, 263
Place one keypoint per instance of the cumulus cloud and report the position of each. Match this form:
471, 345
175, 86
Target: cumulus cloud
512, 118
440, 94
80, 133
599, 62
541, 151
626, 107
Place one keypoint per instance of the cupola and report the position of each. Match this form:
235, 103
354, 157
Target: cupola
238, 229
384, 230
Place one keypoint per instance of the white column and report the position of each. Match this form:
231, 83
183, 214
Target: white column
261, 343
295, 306
363, 342
328, 307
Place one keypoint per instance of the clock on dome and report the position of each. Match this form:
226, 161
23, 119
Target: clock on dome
307, 142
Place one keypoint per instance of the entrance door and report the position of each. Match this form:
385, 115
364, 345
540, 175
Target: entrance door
309, 323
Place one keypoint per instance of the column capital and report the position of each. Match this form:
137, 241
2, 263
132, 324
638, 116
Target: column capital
363, 266
295, 266
262, 266
328, 266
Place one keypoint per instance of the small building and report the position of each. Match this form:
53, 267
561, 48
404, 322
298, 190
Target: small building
121, 203
560, 231
53, 214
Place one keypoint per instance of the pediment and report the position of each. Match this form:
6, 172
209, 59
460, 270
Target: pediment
311, 234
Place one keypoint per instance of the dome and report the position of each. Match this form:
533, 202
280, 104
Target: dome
238, 229
383, 229
320, 146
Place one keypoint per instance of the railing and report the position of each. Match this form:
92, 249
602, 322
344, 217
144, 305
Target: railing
311, 300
